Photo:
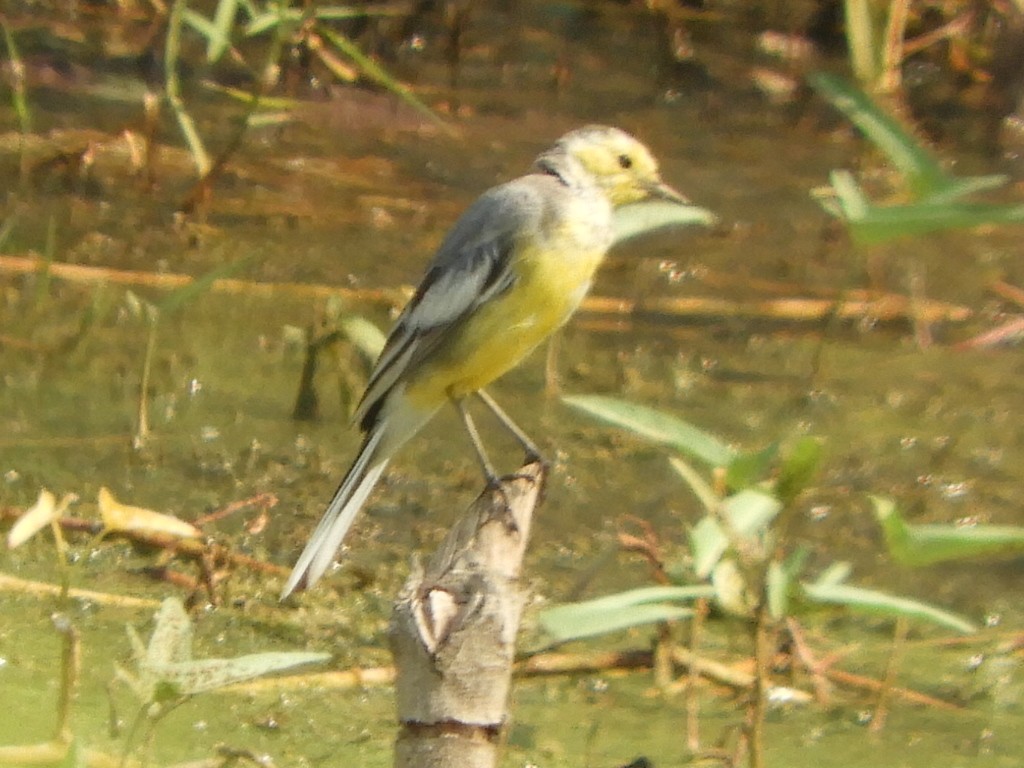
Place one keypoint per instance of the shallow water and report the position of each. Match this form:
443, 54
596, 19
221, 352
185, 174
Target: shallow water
356, 193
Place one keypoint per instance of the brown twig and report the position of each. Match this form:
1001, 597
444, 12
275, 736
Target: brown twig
899, 637
1009, 292
922, 329
895, 692
647, 545
885, 308
80, 273
757, 706
15, 343
1008, 332
344, 679
555, 663
261, 501
41, 589
806, 657
700, 612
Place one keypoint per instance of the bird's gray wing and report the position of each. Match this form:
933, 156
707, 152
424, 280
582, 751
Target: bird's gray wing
472, 266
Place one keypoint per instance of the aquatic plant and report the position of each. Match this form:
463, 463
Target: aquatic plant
935, 199
164, 675
738, 560
737, 536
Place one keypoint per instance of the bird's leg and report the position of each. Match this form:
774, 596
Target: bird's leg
532, 451
495, 484
478, 446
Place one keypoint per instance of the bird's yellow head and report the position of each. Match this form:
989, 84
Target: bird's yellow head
609, 158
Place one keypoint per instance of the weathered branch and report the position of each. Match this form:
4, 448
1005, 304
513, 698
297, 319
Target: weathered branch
454, 629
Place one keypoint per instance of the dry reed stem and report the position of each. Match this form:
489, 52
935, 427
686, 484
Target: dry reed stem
881, 307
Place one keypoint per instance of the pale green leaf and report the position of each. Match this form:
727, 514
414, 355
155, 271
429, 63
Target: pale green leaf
871, 601
748, 513
657, 426
197, 676
917, 545
573, 621
366, 336
648, 216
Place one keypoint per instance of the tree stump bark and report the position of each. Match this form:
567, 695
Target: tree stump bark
453, 632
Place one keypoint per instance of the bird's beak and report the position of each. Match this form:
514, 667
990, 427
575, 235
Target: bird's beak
659, 190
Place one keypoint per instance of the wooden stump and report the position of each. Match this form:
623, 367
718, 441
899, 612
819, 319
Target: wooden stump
453, 632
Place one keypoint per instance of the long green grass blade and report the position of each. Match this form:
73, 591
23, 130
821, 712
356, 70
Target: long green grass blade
853, 203
179, 297
261, 22
836, 573
223, 23
18, 95
922, 169
967, 186
172, 87
700, 487
648, 605
199, 24
657, 426
880, 603
380, 76
881, 224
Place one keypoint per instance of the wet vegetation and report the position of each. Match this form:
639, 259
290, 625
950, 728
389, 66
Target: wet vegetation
213, 208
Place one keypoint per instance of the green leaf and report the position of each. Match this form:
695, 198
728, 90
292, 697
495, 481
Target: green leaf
921, 168
261, 22
179, 297
701, 489
649, 216
777, 586
748, 469
870, 601
853, 203
798, 468
167, 671
657, 426
780, 580
200, 675
958, 188
748, 512
223, 23
199, 23
917, 545
835, 574
171, 641
366, 336
732, 593
887, 223
647, 605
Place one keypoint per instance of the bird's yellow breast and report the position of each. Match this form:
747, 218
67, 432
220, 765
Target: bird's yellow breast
553, 275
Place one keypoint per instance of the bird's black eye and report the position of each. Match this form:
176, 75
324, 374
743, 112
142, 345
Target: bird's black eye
625, 161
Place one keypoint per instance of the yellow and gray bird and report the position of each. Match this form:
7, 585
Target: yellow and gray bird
512, 270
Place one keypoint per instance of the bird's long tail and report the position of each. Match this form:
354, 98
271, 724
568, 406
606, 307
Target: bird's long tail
341, 512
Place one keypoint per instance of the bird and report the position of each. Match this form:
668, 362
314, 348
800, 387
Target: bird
510, 272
